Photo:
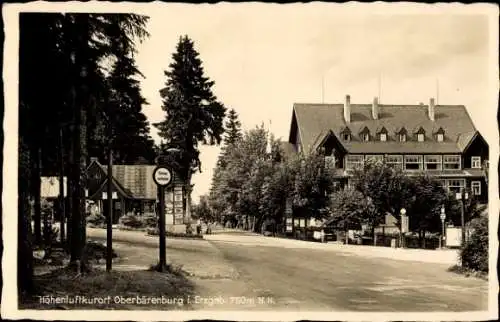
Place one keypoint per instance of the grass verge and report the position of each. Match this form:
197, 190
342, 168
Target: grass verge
63, 289
457, 269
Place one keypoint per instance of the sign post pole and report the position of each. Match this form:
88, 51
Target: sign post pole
161, 230
162, 177
442, 240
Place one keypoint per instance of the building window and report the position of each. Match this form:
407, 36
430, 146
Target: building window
413, 162
432, 162
366, 137
395, 161
346, 137
420, 137
354, 161
383, 137
475, 162
440, 137
451, 162
455, 185
402, 138
374, 158
331, 161
476, 188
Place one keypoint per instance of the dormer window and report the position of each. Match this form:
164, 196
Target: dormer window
365, 134
440, 135
345, 134
420, 134
402, 134
382, 134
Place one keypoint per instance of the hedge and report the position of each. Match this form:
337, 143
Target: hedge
475, 253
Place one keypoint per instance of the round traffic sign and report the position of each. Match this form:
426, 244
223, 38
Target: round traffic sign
162, 176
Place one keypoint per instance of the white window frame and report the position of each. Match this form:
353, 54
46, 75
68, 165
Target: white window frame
375, 157
447, 162
383, 137
458, 187
394, 160
476, 187
439, 161
420, 162
351, 165
440, 137
402, 137
366, 137
475, 162
420, 137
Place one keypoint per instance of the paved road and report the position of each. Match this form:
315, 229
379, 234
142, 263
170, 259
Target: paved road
308, 279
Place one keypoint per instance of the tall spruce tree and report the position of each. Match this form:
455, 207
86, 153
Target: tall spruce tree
232, 135
233, 128
193, 113
62, 85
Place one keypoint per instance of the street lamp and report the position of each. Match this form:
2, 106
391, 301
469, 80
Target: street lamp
462, 195
404, 225
443, 237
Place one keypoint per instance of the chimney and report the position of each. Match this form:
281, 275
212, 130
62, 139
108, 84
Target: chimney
431, 109
347, 109
375, 108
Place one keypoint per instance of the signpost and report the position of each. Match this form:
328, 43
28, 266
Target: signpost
443, 238
162, 176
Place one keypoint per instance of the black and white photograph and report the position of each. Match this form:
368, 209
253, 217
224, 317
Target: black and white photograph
250, 161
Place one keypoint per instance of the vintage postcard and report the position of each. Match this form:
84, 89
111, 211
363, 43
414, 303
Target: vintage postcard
250, 161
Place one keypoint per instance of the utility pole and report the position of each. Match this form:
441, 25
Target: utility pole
109, 217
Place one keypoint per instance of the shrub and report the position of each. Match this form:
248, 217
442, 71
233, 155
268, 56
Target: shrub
475, 253
189, 229
96, 219
131, 220
149, 220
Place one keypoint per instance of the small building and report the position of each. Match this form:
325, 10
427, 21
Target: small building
49, 188
134, 190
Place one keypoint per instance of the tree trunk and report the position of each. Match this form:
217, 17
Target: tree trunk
70, 189
37, 196
188, 196
79, 203
24, 237
373, 236
62, 212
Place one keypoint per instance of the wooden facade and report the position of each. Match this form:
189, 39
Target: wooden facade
134, 190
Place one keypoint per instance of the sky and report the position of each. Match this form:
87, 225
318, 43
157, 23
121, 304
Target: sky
263, 58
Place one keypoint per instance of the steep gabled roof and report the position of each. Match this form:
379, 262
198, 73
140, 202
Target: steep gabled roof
314, 119
134, 181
